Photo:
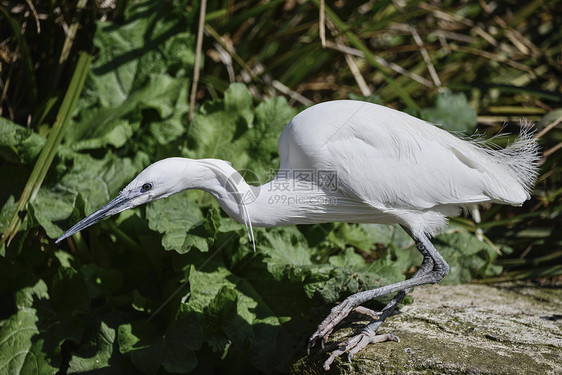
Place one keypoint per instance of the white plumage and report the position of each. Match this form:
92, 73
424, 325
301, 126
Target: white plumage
404, 167
384, 166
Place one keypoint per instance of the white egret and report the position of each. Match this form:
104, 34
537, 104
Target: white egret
356, 162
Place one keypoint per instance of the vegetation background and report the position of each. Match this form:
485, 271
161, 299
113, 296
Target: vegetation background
94, 91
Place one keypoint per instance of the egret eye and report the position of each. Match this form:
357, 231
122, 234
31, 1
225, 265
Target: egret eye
146, 187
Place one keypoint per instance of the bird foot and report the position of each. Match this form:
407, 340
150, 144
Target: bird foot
354, 344
375, 315
337, 314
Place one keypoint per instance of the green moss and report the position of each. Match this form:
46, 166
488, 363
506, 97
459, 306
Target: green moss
468, 329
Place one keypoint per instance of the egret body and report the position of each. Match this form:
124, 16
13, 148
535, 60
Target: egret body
357, 162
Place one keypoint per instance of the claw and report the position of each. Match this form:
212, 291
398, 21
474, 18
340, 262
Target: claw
337, 314
354, 344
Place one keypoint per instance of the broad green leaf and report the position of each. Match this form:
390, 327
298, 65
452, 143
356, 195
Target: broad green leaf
65, 259
451, 112
136, 92
174, 217
107, 125
388, 235
22, 347
204, 286
232, 129
126, 338
211, 134
19, 144
354, 235
286, 246
130, 51
237, 312
6, 212
271, 117
97, 181
116, 134
25, 297
22, 343
220, 128
140, 303
68, 292
289, 261
467, 257
348, 259
52, 206
96, 353
172, 125
101, 281
174, 351
239, 102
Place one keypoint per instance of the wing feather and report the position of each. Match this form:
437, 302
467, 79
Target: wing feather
391, 160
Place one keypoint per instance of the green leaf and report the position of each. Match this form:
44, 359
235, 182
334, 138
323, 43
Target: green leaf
52, 206
175, 216
51, 146
174, 351
348, 259
451, 112
22, 343
289, 261
107, 125
388, 235
211, 133
114, 130
69, 294
349, 234
286, 246
238, 101
18, 144
6, 213
136, 92
22, 349
96, 353
140, 303
271, 117
101, 281
467, 257
97, 181
172, 125
25, 297
236, 310
132, 50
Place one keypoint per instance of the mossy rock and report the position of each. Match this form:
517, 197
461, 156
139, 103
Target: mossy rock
463, 329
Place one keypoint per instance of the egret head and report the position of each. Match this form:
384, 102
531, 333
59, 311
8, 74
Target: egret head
158, 180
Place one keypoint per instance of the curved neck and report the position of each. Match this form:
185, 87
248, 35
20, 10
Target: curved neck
272, 204
285, 200
226, 184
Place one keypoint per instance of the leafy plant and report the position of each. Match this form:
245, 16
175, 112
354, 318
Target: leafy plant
175, 286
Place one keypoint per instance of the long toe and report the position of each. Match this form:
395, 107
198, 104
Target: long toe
337, 314
354, 344
375, 315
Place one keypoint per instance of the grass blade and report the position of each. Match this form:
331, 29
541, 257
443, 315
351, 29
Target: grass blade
51, 146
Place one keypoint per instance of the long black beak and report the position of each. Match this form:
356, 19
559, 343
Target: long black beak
121, 203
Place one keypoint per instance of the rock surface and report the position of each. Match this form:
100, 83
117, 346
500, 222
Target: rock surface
464, 329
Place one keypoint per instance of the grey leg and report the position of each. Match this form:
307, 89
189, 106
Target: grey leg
379, 317
432, 270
